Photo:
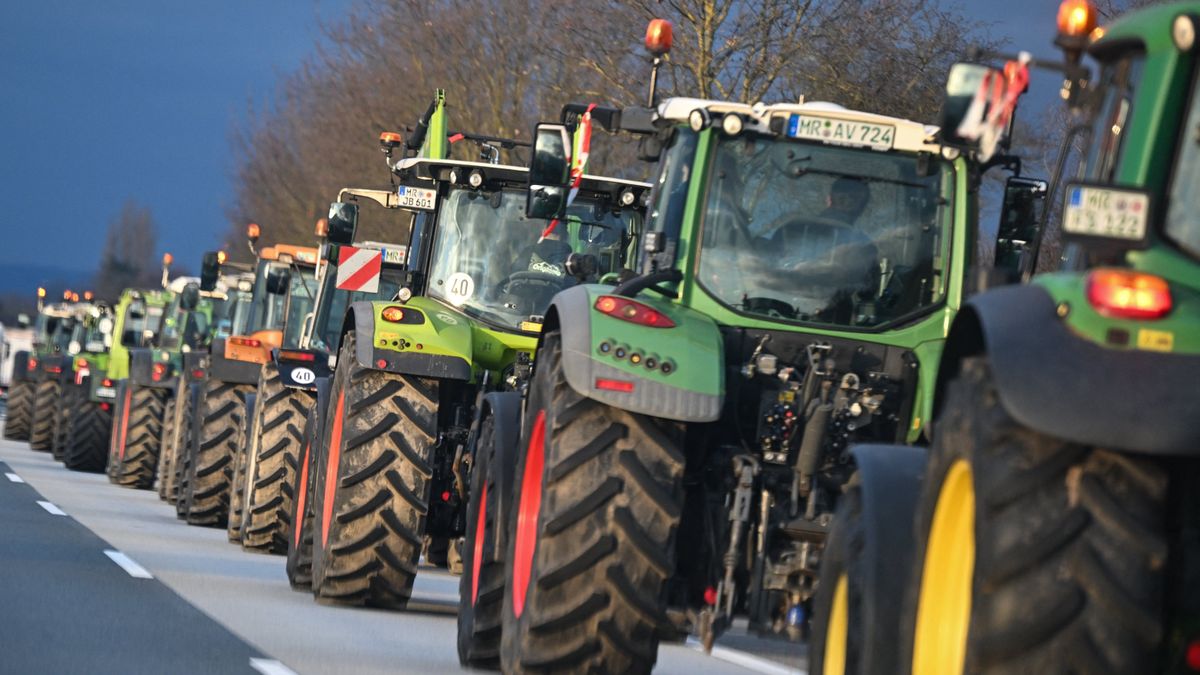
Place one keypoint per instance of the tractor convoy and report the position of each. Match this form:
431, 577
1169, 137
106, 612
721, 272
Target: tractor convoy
779, 385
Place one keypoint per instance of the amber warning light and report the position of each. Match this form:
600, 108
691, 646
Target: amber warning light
1076, 18
658, 37
168, 259
252, 231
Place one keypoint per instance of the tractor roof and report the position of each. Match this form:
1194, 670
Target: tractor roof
430, 169
1150, 26
910, 136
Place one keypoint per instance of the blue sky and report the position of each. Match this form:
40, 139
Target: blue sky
108, 100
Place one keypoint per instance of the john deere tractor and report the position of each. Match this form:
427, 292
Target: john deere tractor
186, 325
270, 462
684, 439
1052, 526
389, 468
281, 293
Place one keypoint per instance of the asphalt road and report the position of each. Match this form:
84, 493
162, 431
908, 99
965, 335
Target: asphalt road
67, 604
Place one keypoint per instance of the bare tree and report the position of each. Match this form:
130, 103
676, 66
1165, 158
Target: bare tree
129, 258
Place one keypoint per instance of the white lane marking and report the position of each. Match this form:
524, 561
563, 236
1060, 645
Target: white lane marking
49, 506
133, 569
15, 478
747, 661
270, 667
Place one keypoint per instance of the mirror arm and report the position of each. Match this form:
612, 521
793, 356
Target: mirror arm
1035, 248
650, 281
385, 198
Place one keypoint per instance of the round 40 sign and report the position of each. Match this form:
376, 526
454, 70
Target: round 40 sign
303, 376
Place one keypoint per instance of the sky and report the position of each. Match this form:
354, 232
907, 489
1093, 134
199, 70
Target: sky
105, 101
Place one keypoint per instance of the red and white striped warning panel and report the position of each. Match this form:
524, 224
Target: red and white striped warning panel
359, 268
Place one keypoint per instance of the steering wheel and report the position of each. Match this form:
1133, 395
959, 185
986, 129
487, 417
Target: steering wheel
532, 287
769, 307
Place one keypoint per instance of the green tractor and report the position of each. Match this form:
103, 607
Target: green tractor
48, 365
388, 470
275, 456
684, 440
91, 339
1051, 526
186, 325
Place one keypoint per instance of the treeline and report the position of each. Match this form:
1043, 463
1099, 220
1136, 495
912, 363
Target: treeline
507, 64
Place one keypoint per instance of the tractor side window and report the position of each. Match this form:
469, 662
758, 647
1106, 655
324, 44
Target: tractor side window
1118, 82
669, 197
1183, 203
133, 325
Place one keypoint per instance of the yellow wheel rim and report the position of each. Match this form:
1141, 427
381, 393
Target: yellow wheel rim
944, 604
838, 629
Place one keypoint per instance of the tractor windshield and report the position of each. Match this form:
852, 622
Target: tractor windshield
822, 234
300, 303
487, 260
239, 311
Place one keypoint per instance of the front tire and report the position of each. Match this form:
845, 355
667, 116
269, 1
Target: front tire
220, 416
137, 437
87, 443
1034, 555
481, 588
273, 465
45, 413
592, 535
374, 484
300, 538
20, 408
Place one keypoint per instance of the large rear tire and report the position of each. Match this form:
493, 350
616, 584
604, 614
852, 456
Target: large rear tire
247, 445
273, 465
87, 443
186, 450
138, 434
374, 484
20, 407
300, 538
45, 413
173, 428
1033, 555
220, 416
592, 535
481, 588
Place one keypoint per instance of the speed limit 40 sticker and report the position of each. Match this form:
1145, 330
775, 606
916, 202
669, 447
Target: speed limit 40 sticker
459, 288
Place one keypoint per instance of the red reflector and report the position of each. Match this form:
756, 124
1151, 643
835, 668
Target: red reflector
32, 364
632, 311
160, 368
446, 496
297, 356
198, 373
614, 385
710, 596
106, 382
1126, 294
80, 363
1192, 656
245, 342
104, 406
381, 364
54, 369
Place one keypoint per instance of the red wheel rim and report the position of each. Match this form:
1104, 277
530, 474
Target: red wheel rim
527, 513
301, 498
477, 555
335, 451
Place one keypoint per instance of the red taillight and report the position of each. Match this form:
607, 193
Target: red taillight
54, 369
1127, 294
614, 385
1192, 655
381, 364
632, 311
297, 356
245, 342
445, 495
198, 374
106, 382
160, 368
104, 406
31, 365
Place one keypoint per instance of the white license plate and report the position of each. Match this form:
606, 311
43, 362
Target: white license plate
1105, 212
842, 132
415, 198
394, 256
106, 392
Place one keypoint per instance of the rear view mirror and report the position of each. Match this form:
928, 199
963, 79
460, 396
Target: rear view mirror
279, 280
964, 83
549, 172
210, 269
1020, 218
343, 221
189, 298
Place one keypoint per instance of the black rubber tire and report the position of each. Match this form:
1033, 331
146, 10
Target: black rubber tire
1070, 542
247, 444
300, 537
611, 500
64, 414
481, 598
367, 534
45, 412
842, 555
269, 485
168, 446
209, 473
87, 443
20, 407
134, 464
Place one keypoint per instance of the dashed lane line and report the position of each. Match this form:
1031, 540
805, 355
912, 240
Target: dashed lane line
270, 667
51, 508
133, 569
747, 661
14, 477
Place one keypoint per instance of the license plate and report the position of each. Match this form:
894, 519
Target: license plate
842, 132
415, 198
1106, 212
394, 256
106, 392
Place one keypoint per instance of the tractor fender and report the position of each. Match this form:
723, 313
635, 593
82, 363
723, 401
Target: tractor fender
693, 391
20, 370
890, 478
444, 339
1058, 383
505, 409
